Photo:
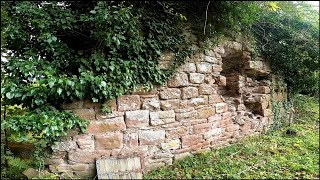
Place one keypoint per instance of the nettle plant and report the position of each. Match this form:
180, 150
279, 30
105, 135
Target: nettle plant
59, 52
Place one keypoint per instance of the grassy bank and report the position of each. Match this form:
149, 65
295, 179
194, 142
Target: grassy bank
274, 154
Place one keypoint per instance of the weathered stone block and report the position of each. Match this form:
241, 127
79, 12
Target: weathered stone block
266, 112
187, 67
170, 93
205, 112
103, 116
73, 105
180, 79
215, 98
128, 102
189, 92
222, 80
206, 89
190, 140
256, 68
165, 64
109, 141
107, 125
88, 114
150, 137
191, 122
219, 50
64, 146
162, 117
263, 90
197, 101
209, 80
130, 139
201, 128
176, 132
85, 142
169, 104
54, 161
214, 118
216, 68
232, 127
254, 65
187, 114
196, 78
82, 157
204, 67
235, 77
138, 118
170, 145
211, 59
151, 104
60, 168
212, 133
88, 103
221, 107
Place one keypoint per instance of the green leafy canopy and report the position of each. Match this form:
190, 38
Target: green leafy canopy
59, 52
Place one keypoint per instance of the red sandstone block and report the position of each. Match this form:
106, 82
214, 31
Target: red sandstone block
88, 114
205, 112
150, 137
201, 128
129, 102
130, 139
190, 140
176, 132
109, 141
107, 125
232, 127
201, 144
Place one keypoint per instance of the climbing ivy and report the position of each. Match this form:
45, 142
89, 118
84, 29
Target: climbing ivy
58, 52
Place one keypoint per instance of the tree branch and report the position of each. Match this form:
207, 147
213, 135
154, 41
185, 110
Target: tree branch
205, 22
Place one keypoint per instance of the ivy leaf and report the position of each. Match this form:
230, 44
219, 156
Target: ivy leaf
95, 100
9, 95
103, 84
54, 38
51, 83
59, 91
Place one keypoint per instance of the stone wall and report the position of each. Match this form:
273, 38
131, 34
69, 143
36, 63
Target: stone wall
218, 96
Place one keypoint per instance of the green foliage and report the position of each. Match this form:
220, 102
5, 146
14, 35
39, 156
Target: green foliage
46, 124
59, 52
289, 39
42, 127
275, 155
16, 167
307, 109
95, 50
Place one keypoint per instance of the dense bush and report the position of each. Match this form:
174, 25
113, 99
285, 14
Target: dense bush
288, 37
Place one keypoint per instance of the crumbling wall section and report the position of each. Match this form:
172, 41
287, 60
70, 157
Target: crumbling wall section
218, 96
